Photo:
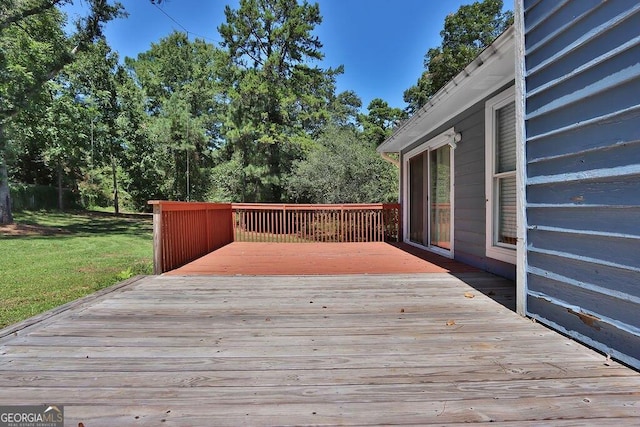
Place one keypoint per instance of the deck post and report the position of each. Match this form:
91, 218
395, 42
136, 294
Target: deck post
157, 238
400, 237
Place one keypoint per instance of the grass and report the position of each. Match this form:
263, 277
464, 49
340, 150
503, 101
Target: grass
64, 256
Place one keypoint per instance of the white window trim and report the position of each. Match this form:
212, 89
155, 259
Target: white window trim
504, 253
450, 137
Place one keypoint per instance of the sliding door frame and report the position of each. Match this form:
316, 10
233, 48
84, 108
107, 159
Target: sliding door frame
448, 137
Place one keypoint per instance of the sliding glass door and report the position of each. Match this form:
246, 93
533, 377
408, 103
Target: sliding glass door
429, 197
417, 199
440, 206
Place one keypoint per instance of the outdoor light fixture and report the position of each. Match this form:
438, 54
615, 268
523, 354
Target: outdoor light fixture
454, 138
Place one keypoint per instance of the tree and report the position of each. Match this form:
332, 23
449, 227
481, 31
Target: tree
12, 11
25, 71
342, 168
276, 101
180, 84
64, 136
143, 176
379, 123
25, 58
345, 109
33, 49
92, 78
466, 33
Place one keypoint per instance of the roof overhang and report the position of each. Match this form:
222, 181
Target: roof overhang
492, 69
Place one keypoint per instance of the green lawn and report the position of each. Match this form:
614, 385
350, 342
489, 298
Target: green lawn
53, 258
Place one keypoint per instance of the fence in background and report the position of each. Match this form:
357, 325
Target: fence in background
36, 197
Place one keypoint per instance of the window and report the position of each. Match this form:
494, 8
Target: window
500, 144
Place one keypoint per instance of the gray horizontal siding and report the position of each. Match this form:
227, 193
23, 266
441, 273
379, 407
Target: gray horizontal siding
615, 156
620, 310
584, 107
584, 244
470, 197
582, 72
579, 32
591, 330
588, 273
614, 191
603, 219
469, 183
599, 135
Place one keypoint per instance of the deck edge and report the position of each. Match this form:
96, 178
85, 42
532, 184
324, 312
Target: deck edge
12, 331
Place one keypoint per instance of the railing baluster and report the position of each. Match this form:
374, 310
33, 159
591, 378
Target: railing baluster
287, 227
356, 226
347, 226
249, 226
372, 226
266, 233
274, 230
366, 224
254, 226
307, 226
249, 229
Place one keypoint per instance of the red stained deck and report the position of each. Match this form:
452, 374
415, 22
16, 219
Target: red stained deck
266, 259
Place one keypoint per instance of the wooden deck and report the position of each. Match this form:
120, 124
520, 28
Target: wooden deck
227, 350
259, 258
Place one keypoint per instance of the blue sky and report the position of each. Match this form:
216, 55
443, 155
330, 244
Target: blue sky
381, 43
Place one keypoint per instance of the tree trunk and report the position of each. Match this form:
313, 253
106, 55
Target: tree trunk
275, 172
5, 195
60, 195
114, 173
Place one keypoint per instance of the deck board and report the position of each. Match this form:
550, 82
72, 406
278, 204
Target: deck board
264, 258
403, 349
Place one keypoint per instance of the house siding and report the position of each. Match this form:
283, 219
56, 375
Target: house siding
469, 192
582, 119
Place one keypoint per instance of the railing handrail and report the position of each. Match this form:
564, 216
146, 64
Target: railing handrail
188, 206
315, 206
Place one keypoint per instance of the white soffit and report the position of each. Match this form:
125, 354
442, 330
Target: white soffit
492, 69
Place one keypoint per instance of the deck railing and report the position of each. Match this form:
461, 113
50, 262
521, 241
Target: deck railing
255, 222
183, 232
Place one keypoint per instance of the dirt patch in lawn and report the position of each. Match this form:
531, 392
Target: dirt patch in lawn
17, 230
